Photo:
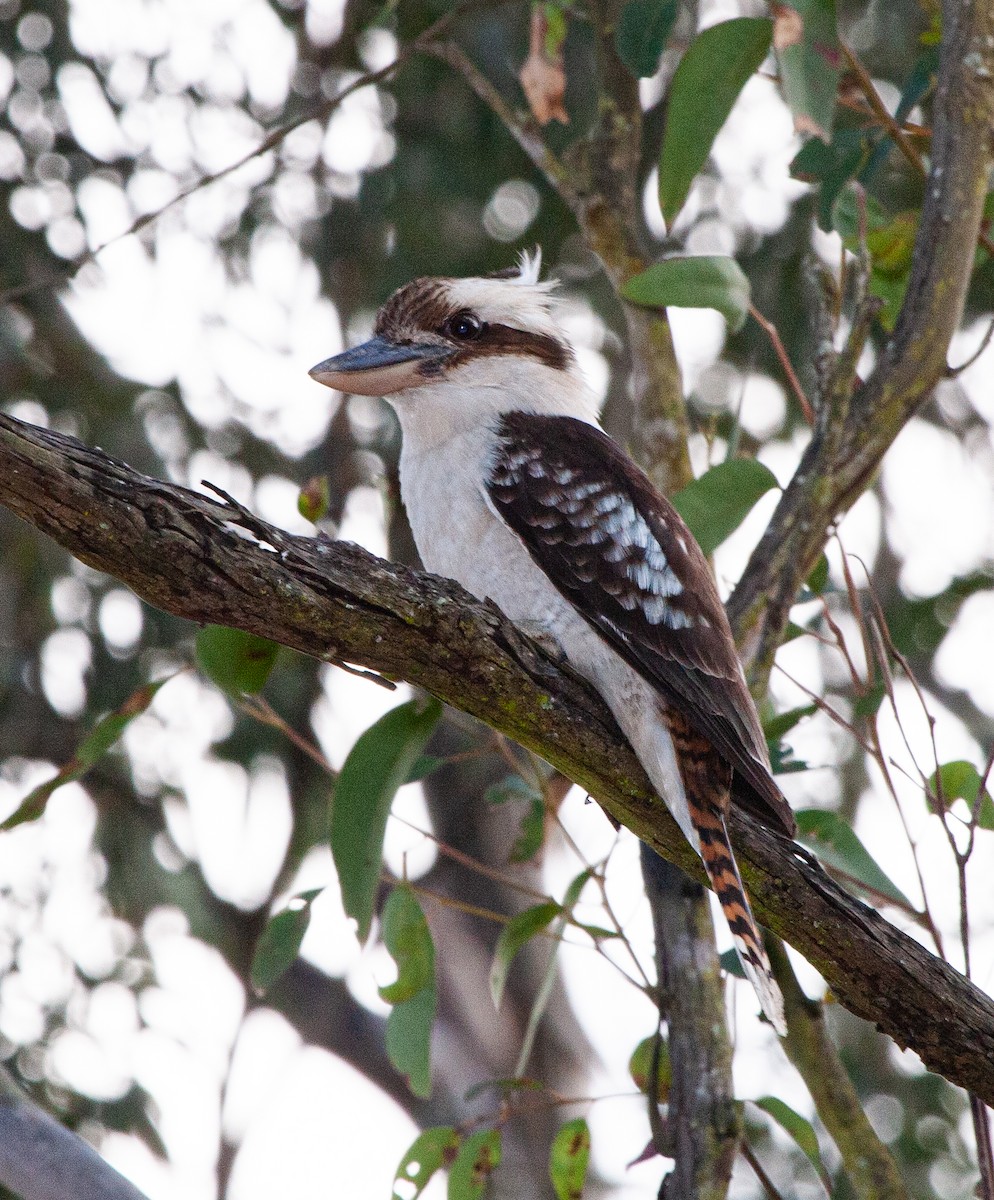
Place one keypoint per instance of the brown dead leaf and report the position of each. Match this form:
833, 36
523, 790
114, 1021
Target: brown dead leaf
788, 26
543, 79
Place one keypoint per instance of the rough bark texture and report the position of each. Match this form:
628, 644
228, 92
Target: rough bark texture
180, 552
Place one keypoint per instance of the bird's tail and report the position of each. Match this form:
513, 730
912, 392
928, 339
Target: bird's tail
723, 871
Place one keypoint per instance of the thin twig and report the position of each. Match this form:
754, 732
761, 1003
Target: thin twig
781, 352
985, 341
766, 1182
319, 112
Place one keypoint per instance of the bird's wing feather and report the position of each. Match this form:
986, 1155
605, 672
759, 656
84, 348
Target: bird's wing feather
620, 553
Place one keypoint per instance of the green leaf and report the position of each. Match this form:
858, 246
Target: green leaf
705, 85
478, 1158
429, 1152
378, 764
643, 27
816, 582
531, 834
731, 964
575, 889
314, 500
569, 1159
279, 944
236, 661
426, 765
700, 281
784, 722
717, 503
413, 996
90, 750
640, 1063
798, 1127
809, 71
831, 166
519, 930
836, 844
961, 781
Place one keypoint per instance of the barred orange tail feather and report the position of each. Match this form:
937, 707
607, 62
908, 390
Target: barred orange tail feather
719, 862
707, 781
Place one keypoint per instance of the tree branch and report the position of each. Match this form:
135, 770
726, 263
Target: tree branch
42, 1160
178, 551
846, 451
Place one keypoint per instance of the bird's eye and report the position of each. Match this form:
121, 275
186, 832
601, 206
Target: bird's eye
463, 327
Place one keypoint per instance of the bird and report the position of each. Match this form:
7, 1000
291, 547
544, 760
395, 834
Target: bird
512, 489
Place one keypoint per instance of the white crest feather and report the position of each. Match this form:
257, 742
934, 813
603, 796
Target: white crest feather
520, 300
529, 267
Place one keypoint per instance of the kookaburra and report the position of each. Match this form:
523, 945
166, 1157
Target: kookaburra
512, 489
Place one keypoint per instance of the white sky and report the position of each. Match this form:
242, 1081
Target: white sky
309, 1125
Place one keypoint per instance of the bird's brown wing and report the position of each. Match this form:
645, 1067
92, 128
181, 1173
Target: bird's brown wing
621, 554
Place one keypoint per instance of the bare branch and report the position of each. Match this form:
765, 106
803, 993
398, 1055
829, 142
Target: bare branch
834, 471
42, 1160
178, 551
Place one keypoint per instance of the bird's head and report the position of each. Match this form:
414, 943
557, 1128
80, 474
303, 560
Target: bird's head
490, 342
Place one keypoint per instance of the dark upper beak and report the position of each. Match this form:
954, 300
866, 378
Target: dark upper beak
378, 367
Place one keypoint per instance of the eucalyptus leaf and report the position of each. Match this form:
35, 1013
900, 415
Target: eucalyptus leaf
236, 661
836, 845
569, 1158
381, 760
699, 281
641, 34
429, 1152
477, 1159
515, 934
414, 996
89, 752
705, 86
717, 503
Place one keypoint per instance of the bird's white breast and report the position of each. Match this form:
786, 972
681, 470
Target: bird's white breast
458, 534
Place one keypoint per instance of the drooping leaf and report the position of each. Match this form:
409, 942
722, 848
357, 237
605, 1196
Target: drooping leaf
835, 844
430, 1151
699, 281
279, 944
414, 997
961, 781
643, 27
575, 889
377, 765
784, 722
532, 831
477, 1159
569, 1159
798, 1127
236, 661
918, 626
90, 750
705, 85
426, 765
807, 47
831, 167
519, 930
717, 503
816, 582
782, 760
640, 1063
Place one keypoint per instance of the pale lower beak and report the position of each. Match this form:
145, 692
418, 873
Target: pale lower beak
378, 367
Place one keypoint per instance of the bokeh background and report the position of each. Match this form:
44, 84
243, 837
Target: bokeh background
130, 911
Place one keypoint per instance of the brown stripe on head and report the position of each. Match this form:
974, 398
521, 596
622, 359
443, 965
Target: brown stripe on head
508, 317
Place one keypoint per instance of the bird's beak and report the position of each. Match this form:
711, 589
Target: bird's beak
378, 367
